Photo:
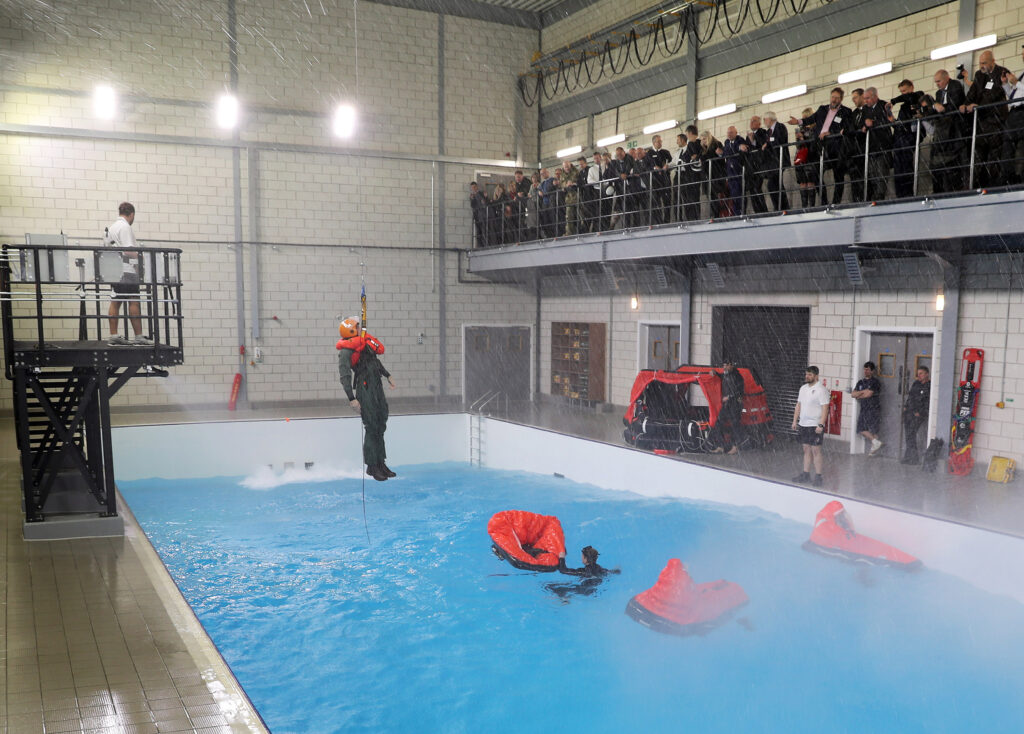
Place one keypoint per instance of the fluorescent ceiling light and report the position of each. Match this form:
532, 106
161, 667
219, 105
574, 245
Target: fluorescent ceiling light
961, 48
104, 102
784, 94
612, 140
566, 152
227, 111
659, 126
867, 71
717, 111
344, 124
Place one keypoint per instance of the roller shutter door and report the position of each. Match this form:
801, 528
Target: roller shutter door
773, 341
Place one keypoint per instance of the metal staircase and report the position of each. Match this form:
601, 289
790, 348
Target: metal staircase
64, 374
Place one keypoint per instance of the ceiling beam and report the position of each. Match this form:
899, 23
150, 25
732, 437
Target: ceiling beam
471, 9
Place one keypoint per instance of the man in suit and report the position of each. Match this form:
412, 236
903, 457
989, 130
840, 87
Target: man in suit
753, 163
733, 169
619, 170
878, 144
905, 137
660, 158
987, 89
690, 171
478, 203
778, 140
947, 139
831, 122
855, 145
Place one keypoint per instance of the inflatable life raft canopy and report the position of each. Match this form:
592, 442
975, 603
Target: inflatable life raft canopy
676, 605
833, 535
527, 540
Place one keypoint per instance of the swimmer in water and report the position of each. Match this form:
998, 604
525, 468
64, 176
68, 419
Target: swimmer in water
592, 575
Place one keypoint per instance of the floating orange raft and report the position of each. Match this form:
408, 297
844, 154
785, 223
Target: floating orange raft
676, 605
833, 535
527, 540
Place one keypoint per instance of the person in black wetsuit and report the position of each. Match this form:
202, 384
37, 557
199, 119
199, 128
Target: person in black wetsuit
592, 575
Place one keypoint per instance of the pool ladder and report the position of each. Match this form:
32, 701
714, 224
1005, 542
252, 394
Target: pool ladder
476, 420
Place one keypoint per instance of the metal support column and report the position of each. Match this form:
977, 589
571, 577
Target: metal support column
685, 314
442, 237
948, 349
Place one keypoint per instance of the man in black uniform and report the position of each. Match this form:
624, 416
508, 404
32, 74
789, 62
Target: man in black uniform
905, 137
725, 434
915, 413
870, 417
358, 365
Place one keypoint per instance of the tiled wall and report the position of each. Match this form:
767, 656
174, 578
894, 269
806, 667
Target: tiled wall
325, 208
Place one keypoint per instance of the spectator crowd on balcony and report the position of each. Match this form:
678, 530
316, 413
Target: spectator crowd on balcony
970, 129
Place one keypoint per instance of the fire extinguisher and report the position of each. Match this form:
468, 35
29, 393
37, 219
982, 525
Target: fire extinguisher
835, 413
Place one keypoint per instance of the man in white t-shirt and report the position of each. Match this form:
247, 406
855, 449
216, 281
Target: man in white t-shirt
809, 421
120, 236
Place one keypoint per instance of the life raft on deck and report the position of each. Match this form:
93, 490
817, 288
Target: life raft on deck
677, 606
833, 535
527, 540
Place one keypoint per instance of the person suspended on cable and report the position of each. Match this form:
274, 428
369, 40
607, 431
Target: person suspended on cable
362, 375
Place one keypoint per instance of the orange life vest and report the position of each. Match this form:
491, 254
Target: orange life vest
358, 343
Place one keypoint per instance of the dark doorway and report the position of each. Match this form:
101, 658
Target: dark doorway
662, 347
497, 363
773, 342
898, 356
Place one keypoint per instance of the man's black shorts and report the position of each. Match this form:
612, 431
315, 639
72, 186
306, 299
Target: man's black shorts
124, 292
809, 435
869, 420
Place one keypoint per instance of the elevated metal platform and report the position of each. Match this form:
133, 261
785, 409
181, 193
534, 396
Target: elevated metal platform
917, 224
50, 294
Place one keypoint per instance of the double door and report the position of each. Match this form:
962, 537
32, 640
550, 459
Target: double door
898, 357
662, 347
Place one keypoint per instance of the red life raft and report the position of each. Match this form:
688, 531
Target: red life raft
833, 535
527, 540
676, 605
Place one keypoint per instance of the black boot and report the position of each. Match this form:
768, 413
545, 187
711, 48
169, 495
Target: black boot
377, 473
802, 477
387, 470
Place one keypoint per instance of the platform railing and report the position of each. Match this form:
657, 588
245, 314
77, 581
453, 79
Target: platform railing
932, 154
62, 293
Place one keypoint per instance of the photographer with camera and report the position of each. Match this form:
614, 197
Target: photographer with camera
904, 136
947, 158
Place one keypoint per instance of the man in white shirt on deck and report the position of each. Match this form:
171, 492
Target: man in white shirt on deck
120, 236
809, 421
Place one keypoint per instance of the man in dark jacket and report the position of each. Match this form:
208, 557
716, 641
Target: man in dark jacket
778, 139
478, 203
831, 122
915, 414
725, 434
878, 144
987, 89
947, 140
753, 164
905, 137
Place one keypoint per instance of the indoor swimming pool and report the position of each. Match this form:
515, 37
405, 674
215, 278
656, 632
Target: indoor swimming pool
423, 629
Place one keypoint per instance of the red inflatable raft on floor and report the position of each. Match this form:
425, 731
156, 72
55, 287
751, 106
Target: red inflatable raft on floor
527, 540
833, 535
678, 606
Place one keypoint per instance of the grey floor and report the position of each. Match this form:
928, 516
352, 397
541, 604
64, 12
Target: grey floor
98, 640
971, 500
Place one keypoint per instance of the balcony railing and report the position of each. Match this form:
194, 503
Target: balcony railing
928, 156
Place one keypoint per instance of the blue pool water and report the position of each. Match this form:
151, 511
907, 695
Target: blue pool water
425, 630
